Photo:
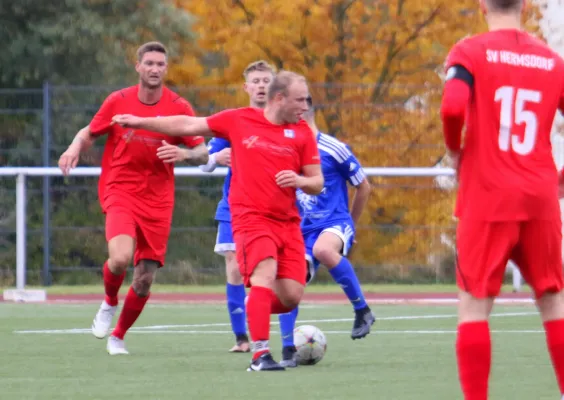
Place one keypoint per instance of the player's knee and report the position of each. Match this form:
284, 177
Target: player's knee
326, 255
142, 283
289, 292
119, 262
551, 305
264, 273
471, 308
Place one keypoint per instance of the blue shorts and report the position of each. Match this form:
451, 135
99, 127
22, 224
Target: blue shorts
344, 231
224, 241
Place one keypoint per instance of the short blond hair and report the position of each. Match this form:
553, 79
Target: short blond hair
282, 82
259, 65
149, 47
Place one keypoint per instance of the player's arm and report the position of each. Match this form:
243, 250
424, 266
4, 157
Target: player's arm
351, 170
456, 97
83, 140
176, 125
219, 154
197, 155
311, 181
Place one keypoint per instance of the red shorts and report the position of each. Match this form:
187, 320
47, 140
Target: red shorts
151, 234
485, 247
260, 238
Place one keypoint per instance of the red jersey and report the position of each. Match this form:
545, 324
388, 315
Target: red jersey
507, 170
261, 150
130, 167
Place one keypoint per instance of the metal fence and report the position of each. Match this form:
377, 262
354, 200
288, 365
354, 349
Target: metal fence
404, 235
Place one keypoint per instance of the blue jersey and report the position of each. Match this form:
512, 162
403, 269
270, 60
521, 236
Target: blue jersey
222, 212
331, 206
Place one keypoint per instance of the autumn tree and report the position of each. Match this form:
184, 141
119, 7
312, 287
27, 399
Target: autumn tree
376, 71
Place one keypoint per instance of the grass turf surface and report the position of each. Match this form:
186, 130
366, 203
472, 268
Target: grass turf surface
409, 355
314, 288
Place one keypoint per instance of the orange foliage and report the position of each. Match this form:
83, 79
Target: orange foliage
375, 70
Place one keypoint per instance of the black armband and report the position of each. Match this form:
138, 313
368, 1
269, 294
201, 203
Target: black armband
459, 72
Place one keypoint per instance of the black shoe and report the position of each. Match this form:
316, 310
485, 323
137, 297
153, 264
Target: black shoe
289, 357
363, 320
265, 363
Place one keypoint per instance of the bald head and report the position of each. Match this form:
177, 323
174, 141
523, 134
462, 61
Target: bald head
282, 82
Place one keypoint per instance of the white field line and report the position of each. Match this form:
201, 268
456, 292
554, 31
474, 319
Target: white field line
175, 328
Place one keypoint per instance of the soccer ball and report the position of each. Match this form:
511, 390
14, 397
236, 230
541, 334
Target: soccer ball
310, 344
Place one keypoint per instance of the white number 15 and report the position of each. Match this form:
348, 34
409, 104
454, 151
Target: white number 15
515, 113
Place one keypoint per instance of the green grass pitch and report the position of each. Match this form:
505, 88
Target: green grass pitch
181, 352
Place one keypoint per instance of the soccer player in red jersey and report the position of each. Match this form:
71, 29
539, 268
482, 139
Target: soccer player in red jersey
273, 153
136, 187
506, 86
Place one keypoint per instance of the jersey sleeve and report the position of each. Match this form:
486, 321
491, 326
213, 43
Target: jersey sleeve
350, 168
217, 144
222, 122
459, 55
309, 152
186, 109
100, 123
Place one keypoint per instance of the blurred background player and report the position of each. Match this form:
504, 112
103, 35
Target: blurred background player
511, 84
275, 153
136, 188
258, 76
329, 230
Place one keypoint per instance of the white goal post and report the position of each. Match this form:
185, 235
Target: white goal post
21, 174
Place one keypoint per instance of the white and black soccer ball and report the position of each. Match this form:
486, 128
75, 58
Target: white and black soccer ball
310, 343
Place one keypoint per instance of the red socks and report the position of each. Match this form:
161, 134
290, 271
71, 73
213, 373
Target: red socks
473, 353
555, 343
112, 284
276, 306
132, 307
258, 318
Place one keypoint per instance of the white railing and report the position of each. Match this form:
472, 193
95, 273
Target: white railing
21, 173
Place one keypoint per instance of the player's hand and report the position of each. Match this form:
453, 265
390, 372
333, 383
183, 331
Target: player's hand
126, 120
69, 159
286, 179
170, 153
223, 157
454, 160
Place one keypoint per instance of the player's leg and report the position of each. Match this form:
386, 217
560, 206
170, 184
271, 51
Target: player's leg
483, 253
540, 258
330, 249
288, 320
120, 234
152, 238
234, 290
257, 251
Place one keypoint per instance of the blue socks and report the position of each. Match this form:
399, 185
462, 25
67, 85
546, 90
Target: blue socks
236, 308
287, 325
345, 276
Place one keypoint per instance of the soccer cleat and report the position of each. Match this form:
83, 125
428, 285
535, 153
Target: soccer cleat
362, 322
289, 357
116, 346
242, 345
103, 320
265, 363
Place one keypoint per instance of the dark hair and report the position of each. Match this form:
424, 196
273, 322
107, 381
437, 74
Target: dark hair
149, 47
282, 82
505, 5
